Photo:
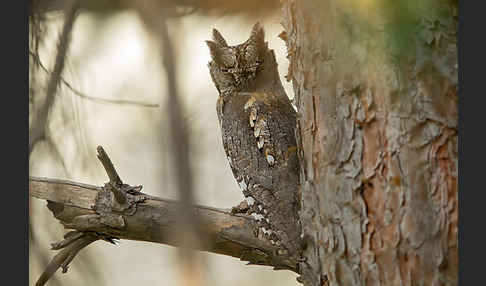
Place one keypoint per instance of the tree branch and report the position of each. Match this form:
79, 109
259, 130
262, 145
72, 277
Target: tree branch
154, 220
71, 247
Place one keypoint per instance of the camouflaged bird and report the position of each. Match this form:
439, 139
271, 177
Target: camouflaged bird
258, 125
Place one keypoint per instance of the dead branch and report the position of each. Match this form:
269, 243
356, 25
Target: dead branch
72, 245
94, 213
153, 221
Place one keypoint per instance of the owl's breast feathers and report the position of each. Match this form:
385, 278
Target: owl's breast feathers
258, 131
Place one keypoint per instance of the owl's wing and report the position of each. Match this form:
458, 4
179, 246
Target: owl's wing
258, 133
259, 141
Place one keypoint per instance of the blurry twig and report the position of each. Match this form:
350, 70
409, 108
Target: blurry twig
87, 97
72, 244
55, 151
38, 253
178, 130
155, 16
174, 8
39, 125
180, 144
38, 129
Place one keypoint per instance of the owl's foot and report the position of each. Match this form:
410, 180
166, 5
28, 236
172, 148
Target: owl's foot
240, 208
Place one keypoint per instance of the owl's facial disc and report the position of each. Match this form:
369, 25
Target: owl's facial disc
232, 67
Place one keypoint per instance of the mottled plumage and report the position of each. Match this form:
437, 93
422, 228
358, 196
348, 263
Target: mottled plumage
257, 124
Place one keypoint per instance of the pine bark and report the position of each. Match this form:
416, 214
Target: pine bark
376, 90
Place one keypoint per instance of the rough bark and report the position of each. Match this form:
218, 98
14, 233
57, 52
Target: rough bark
89, 208
376, 90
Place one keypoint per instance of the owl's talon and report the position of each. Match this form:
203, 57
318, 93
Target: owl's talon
240, 208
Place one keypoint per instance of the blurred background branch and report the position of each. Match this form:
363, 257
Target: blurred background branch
39, 124
172, 8
38, 128
155, 16
37, 60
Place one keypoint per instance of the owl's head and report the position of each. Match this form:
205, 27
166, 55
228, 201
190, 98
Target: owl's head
234, 67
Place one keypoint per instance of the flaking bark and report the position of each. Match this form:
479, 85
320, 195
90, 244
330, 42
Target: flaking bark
376, 90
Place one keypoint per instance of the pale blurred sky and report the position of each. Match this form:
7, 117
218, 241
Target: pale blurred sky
118, 59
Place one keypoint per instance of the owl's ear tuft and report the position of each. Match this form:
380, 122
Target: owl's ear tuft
257, 36
256, 47
221, 55
218, 38
213, 49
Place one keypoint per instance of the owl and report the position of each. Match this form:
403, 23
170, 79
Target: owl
258, 122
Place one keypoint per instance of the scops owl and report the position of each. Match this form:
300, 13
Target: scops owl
258, 125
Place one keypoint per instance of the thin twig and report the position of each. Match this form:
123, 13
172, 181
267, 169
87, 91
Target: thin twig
92, 98
65, 256
39, 254
115, 181
108, 165
69, 238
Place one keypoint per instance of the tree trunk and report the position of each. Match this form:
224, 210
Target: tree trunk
376, 89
